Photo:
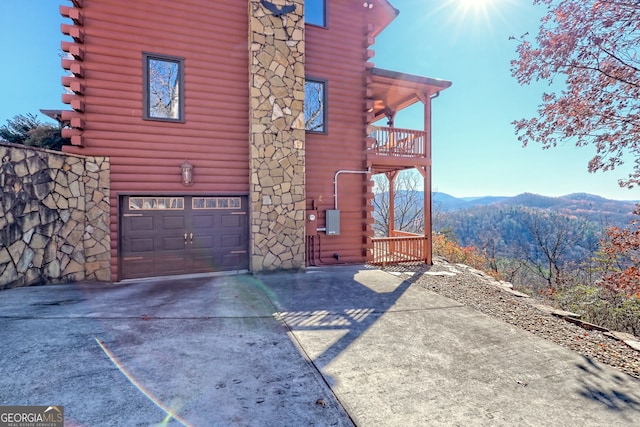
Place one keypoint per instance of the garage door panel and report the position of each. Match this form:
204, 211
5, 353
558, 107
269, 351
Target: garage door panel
175, 243
233, 221
204, 242
231, 241
153, 241
142, 245
141, 223
172, 265
200, 222
235, 261
203, 264
173, 222
134, 269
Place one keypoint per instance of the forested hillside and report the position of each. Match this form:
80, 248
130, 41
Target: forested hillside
526, 227
513, 227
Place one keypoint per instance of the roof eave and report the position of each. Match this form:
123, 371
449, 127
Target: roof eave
389, 13
397, 77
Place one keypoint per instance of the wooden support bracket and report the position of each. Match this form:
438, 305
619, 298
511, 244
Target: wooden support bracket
73, 49
71, 13
77, 140
72, 31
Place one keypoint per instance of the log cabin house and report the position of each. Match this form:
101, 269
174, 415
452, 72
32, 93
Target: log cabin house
241, 133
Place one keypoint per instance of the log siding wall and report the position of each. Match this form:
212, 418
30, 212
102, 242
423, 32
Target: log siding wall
338, 54
146, 155
109, 38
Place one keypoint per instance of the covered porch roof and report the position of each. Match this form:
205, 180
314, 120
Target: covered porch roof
393, 91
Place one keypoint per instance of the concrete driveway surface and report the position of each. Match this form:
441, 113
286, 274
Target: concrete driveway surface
327, 347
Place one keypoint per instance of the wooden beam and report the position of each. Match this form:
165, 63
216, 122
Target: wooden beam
423, 97
68, 115
391, 176
428, 202
77, 123
77, 140
69, 133
422, 170
73, 49
72, 31
71, 13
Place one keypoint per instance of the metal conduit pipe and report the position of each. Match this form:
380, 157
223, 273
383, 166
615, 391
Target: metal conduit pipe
335, 183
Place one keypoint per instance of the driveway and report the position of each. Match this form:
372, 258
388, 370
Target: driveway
332, 346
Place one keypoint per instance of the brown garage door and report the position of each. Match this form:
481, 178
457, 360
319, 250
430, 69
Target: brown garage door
163, 236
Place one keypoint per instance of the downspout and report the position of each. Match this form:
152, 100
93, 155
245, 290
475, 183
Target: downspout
335, 183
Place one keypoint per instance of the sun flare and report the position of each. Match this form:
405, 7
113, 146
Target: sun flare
470, 4
475, 6
477, 13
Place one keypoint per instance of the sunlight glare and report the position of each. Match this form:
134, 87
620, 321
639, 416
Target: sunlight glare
467, 4
170, 413
476, 6
477, 15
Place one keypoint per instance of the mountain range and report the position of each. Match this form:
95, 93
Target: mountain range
583, 205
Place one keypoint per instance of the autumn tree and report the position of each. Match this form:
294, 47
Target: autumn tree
621, 249
549, 239
588, 49
469, 255
26, 129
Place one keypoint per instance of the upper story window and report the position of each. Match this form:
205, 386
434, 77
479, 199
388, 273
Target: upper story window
315, 105
163, 87
315, 12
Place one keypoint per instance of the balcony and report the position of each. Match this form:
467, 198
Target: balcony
394, 149
396, 142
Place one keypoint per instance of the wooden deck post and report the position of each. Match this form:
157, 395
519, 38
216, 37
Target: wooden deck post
425, 98
391, 176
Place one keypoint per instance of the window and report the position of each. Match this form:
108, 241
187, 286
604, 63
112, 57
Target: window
315, 12
156, 203
315, 101
163, 87
216, 203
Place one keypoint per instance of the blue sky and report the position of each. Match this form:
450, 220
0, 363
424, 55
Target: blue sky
475, 150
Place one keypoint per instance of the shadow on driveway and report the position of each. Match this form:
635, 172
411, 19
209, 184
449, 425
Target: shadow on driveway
395, 353
377, 350
330, 308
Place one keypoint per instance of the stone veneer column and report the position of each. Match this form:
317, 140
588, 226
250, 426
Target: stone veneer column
276, 137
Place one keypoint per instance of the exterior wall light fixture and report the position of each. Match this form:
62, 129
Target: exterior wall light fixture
187, 174
367, 5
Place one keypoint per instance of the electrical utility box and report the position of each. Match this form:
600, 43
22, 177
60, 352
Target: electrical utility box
332, 222
311, 228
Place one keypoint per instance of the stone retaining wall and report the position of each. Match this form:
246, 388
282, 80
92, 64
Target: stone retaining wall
54, 217
277, 135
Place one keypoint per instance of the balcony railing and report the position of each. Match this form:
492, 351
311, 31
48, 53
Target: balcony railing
398, 142
400, 248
